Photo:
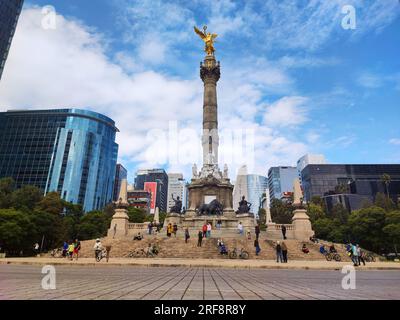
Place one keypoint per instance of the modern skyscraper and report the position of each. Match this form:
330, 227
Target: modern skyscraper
70, 151
280, 180
251, 186
9, 14
307, 159
161, 178
362, 179
120, 174
176, 187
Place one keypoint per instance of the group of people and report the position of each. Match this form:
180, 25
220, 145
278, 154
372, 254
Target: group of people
323, 250
172, 229
71, 249
281, 252
153, 227
356, 254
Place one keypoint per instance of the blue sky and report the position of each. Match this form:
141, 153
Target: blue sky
290, 73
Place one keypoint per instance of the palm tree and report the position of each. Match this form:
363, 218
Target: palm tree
386, 179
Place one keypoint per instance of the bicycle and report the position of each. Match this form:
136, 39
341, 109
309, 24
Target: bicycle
329, 256
57, 253
369, 257
243, 254
101, 254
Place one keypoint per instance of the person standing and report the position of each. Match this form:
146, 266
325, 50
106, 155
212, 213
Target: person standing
200, 236
360, 256
36, 248
77, 248
257, 246
209, 230
219, 224
71, 249
284, 251
257, 231
278, 249
65, 249
204, 230
150, 227
175, 229
187, 235
240, 228
284, 232
354, 256
97, 248
169, 230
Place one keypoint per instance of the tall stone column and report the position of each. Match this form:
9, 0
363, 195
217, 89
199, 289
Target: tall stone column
210, 74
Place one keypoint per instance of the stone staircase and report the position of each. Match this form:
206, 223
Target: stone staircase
177, 248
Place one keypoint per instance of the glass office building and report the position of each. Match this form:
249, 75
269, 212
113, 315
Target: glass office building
361, 179
280, 180
256, 187
9, 14
70, 151
120, 174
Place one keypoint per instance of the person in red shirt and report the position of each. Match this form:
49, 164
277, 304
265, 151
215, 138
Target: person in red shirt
204, 230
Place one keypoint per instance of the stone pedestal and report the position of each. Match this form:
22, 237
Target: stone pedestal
302, 225
119, 224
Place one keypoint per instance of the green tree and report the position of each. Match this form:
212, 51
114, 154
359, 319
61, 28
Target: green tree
26, 198
341, 188
137, 215
6, 188
315, 212
384, 202
340, 213
51, 203
366, 227
281, 212
17, 232
386, 179
262, 213
323, 227
93, 225
317, 200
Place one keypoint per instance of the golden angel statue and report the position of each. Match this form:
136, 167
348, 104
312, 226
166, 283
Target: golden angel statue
208, 39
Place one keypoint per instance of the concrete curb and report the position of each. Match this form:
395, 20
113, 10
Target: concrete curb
247, 264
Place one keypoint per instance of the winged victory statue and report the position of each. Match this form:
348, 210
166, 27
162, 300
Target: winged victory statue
208, 39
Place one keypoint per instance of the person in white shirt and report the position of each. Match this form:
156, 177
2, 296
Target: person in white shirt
240, 228
98, 247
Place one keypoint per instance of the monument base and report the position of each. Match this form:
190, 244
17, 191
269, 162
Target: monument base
302, 225
119, 224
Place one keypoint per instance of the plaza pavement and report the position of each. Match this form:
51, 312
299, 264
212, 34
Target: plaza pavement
213, 263
195, 283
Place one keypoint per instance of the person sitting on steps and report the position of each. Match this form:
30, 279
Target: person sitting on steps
305, 249
138, 237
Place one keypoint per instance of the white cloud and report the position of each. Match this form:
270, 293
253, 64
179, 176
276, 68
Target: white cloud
395, 141
287, 111
68, 67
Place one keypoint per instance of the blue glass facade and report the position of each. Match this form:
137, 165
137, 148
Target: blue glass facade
70, 151
256, 186
120, 174
280, 180
9, 14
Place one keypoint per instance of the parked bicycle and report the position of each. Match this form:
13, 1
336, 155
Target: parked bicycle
243, 254
57, 253
333, 256
369, 257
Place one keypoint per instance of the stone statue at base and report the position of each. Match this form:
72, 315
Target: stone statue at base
177, 208
244, 206
213, 208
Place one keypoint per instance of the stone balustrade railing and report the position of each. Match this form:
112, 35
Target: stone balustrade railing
279, 226
137, 226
